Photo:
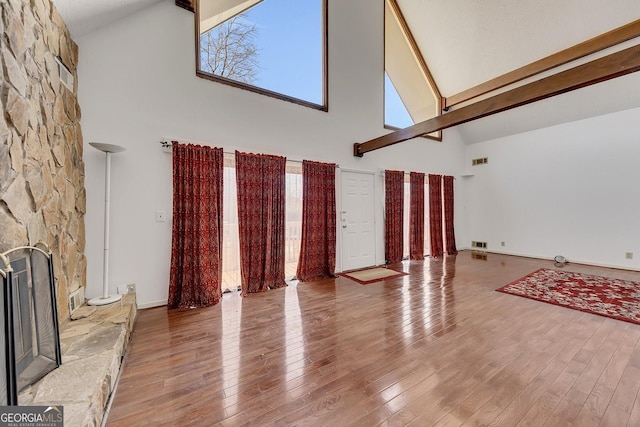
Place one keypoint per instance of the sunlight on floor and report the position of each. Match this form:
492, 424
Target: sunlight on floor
231, 279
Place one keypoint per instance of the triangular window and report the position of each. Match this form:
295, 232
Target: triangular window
407, 77
395, 113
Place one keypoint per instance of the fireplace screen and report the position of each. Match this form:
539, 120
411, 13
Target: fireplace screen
31, 341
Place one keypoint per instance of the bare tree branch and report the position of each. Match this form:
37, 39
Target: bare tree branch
229, 50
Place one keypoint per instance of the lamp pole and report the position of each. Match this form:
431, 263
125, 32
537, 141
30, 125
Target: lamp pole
108, 149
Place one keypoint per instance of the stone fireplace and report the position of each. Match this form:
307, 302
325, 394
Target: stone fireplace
42, 193
42, 199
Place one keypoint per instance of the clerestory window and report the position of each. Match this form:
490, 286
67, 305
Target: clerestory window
410, 93
273, 47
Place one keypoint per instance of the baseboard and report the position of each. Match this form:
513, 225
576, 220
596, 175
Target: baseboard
152, 304
571, 261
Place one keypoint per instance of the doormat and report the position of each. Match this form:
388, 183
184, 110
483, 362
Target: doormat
615, 298
372, 275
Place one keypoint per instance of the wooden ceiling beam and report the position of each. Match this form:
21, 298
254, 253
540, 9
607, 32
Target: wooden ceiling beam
580, 50
609, 67
414, 46
186, 4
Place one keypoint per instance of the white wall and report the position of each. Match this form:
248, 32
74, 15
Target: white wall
571, 189
137, 85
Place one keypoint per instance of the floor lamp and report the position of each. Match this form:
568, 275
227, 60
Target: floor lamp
108, 149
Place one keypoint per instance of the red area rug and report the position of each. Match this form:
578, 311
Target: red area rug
615, 298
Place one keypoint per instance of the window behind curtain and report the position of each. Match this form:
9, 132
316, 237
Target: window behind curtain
230, 239
293, 226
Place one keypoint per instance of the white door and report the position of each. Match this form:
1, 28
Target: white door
357, 220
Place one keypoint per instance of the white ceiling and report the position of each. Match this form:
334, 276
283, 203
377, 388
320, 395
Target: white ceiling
85, 16
467, 42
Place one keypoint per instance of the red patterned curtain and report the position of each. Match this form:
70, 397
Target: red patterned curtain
260, 182
416, 216
393, 205
447, 193
435, 214
196, 256
318, 246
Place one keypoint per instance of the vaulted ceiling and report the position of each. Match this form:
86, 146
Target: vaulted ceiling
467, 42
83, 17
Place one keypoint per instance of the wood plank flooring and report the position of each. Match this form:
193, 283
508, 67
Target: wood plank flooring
438, 347
231, 279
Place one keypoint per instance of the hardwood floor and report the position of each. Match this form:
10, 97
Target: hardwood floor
437, 347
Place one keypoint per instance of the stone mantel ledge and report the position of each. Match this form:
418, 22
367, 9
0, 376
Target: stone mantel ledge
93, 344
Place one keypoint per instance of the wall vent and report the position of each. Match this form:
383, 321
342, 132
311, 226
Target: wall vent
66, 77
480, 161
479, 245
76, 299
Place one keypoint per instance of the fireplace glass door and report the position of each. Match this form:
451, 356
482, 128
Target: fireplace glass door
30, 321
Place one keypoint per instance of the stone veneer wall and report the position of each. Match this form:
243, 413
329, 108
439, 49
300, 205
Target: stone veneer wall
42, 194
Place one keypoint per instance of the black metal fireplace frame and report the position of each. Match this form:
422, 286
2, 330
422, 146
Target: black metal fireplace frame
7, 274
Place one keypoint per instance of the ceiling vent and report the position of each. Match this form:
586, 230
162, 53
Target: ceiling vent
66, 77
480, 161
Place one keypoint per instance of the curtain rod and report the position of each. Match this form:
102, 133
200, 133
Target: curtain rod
167, 147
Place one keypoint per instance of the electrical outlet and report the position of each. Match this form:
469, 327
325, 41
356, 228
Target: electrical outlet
127, 289
501, 243
628, 255
160, 216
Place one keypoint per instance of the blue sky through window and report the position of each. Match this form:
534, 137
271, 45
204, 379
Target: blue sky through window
289, 41
395, 113
290, 52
